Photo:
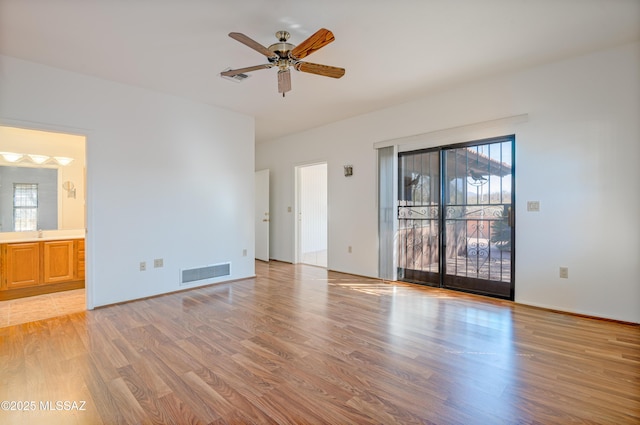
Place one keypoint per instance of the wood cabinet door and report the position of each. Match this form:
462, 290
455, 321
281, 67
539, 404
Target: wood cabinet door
22, 266
58, 261
79, 259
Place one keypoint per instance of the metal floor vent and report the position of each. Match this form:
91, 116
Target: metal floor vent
188, 276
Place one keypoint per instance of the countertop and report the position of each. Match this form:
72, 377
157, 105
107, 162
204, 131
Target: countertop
47, 235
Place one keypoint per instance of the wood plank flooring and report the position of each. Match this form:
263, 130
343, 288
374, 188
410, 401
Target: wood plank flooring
300, 345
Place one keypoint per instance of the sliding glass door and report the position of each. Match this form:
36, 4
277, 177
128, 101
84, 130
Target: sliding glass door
478, 218
419, 217
455, 215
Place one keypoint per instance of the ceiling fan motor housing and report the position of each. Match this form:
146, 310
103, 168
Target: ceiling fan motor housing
282, 50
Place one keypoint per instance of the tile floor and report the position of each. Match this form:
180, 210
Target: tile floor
30, 309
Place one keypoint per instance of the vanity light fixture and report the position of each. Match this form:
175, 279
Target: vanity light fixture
63, 160
39, 159
36, 158
11, 156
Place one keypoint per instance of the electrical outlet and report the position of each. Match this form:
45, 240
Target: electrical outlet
533, 206
244, 252
564, 272
143, 266
349, 250
158, 262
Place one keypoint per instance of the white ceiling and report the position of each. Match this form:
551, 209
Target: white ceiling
393, 51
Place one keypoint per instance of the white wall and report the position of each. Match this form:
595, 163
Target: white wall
166, 178
578, 154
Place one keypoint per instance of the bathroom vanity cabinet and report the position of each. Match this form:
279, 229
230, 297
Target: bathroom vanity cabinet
40, 266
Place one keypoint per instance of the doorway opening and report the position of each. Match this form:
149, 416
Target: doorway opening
311, 214
42, 231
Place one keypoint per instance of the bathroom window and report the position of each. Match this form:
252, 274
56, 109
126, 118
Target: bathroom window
25, 207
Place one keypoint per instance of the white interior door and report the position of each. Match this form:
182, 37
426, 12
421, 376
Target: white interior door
262, 215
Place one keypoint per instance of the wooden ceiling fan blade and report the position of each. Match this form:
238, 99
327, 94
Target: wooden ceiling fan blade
249, 42
232, 72
324, 70
321, 38
284, 81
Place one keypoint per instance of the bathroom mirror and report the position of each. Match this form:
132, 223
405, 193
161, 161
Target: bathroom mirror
28, 199
42, 180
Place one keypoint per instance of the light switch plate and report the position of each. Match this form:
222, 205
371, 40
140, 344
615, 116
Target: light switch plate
533, 206
564, 272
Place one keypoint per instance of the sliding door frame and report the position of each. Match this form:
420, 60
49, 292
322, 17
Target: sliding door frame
442, 215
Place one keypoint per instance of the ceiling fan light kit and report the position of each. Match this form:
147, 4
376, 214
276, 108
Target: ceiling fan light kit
285, 56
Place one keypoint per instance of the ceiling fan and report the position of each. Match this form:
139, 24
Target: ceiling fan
286, 56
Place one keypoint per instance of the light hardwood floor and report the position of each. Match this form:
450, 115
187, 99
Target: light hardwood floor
300, 345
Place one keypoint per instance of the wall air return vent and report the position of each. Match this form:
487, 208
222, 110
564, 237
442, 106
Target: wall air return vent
198, 274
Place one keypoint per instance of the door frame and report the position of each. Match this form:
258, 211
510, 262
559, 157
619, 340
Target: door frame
262, 215
297, 255
88, 194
